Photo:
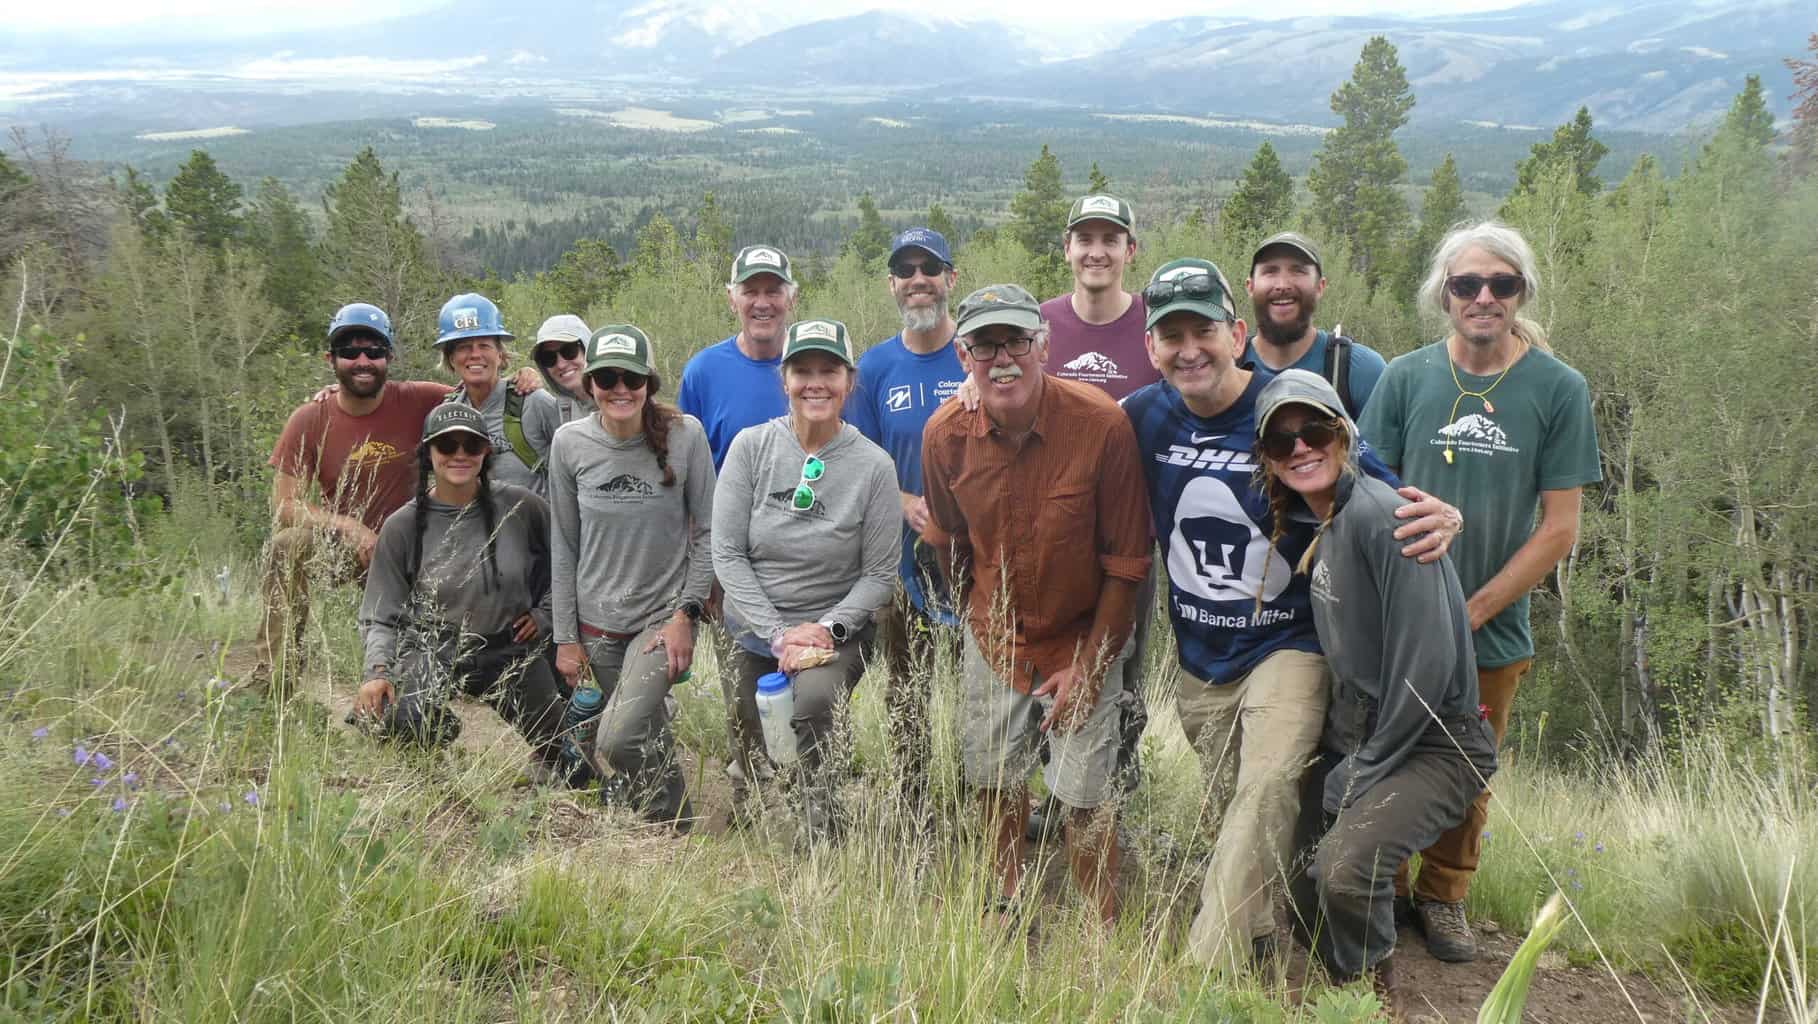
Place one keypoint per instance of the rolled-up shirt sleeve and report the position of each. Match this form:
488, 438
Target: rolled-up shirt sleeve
1123, 507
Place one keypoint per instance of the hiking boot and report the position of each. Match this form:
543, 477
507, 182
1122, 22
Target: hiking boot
1448, 935
1382, 982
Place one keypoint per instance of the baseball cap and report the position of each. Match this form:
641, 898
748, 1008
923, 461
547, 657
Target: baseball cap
1102, 207
452, 416
1191, 285
619, 347
563, 327
753, 260
999, 304
1296, 387
1298, 242
926, 239
827, 336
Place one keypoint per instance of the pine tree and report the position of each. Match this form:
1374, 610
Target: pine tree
1441, 207
1802, 156
1263, 202
712, 236
939, 220
1096, 182
589, 271
872, 239
204, 202
372, 252
1572, 146
1355, 174
1038, 214
141, 203
1748, 117
280, 234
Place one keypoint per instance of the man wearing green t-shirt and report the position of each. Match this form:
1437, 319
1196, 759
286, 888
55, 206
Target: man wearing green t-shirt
1489, 420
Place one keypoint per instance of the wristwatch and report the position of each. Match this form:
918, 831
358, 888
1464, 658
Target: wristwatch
692, 609
837, 630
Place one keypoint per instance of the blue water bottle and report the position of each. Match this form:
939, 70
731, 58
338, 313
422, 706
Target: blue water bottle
776, 706
580, 724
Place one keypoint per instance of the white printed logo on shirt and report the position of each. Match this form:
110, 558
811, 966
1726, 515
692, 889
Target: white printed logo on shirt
1215, 551
900, 398
1321, 585
1475, 433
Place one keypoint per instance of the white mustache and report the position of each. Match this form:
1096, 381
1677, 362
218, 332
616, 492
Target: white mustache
1001, 373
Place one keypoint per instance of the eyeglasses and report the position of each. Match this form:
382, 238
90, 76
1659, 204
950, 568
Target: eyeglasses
460, 440
986, 351
608, 379
909, 268
352, 352
1279, 444
1502, 286
812, 469
1189, 286
546, 357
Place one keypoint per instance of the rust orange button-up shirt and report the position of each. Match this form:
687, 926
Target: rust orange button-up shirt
1042, 520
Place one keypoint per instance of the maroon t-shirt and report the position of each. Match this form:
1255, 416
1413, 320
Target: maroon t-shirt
364, 466
1109, 356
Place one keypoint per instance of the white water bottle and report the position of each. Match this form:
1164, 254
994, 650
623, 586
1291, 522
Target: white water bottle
776, 706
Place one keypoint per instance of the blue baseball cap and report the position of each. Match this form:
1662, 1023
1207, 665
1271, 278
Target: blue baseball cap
926, 239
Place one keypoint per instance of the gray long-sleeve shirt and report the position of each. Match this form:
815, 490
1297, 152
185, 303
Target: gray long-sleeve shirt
455, 587
507, 466
626, 550
548, 409
835, 561
1398, 640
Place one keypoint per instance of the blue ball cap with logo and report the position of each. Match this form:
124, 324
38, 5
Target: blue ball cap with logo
926, 239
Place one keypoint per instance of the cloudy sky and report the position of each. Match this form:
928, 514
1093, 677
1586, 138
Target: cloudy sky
250, 17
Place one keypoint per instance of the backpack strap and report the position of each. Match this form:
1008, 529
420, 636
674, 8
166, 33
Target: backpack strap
514, 424
1338, 370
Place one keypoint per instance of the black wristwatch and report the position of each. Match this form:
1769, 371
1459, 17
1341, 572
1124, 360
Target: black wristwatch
836, 630
692, 609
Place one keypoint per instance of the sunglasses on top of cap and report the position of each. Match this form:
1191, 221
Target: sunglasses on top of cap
1279, 444
351, 351
460, 441
1470, 286
1204, 287
608, 379
546, 357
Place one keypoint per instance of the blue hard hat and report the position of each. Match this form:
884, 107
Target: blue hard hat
359, 316
469, 315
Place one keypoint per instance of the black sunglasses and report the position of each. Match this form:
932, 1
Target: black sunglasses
909, 268
608, 379
546, 357
1279, 444
1469, 286
377, 354
460, 440
1190, 286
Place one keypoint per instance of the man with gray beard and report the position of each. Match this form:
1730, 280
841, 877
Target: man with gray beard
901, 381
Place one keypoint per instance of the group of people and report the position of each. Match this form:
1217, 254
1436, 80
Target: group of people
1005, 478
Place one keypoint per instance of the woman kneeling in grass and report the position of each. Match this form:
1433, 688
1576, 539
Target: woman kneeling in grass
631, 498
458, 589
1404, 749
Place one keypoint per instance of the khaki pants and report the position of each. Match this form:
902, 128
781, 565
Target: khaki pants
1447, 867
1255, 738
296, 557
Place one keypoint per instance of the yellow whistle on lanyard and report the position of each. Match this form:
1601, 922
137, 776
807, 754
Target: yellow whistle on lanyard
1448, 455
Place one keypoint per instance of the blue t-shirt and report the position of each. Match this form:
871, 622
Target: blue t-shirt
1366, 366
728, 391
1213, 525
897, 391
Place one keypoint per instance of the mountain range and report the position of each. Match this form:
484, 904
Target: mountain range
1650, 65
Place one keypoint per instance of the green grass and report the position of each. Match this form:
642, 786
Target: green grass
261, 865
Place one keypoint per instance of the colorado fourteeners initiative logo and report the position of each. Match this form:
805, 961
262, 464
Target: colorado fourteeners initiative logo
626, 485
1094, 367
1475, 433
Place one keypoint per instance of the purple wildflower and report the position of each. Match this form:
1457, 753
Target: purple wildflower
40, 732
251, 797
119, 804
1577, 838
131, 778
102, 761
97, 782
82, 755
1597, 849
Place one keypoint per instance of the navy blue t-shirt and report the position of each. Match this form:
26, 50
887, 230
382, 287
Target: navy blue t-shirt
1213, 525
1367, 365
728, 391
897, 391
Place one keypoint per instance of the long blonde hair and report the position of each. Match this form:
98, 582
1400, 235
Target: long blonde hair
1506, 244
1281, 497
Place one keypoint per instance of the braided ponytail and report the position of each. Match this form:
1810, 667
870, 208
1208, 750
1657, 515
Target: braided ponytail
425, 473
489, 517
